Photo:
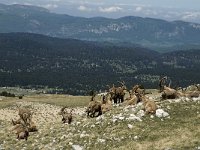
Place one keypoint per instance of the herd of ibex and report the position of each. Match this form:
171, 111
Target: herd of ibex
137, 94
24, 124
115, 95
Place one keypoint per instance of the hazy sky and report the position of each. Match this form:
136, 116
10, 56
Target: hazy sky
187, 10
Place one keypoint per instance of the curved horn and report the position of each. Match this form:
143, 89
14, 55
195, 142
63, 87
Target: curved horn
122, 83
62, 109
108, 86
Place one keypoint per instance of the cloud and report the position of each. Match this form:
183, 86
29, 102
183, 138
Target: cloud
138, 9
110, 9
84, 8
191, 15
50, 6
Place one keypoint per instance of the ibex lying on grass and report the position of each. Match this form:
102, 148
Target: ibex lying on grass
132, 100
93, 108
25, 119
106, 104
191, 91
32, 127
169, 93
66, 116
21, 131
149, 105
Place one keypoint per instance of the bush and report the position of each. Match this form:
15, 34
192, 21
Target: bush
6, 94
20, 97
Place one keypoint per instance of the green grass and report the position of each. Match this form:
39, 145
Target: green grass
179, 132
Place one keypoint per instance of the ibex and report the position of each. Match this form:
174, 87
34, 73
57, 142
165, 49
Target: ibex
66, 117
191, 91
21, 131
93, 107
117, 93
25, 114
106, 104
169, 93
162, 83
138, 89
132, 100
149, 105
25, 119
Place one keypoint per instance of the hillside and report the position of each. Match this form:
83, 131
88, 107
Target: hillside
148, 32
80, 66
124, 127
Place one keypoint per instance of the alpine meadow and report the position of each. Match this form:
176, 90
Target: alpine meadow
99, 75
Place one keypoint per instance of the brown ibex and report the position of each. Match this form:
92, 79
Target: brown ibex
66, 116
132, 100
21, 131
169, 93
117, 93
93, 107
25, 114
138, 89
191, 91
25, 119
162, 83
106, 104
149, 105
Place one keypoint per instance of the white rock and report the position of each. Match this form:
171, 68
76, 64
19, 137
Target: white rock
130, 126
82, 135
77, 147
140, 113
121, 118
101, 140
114, 120
187, 99
133, 117
63, 137
77, 123
135, 137
196, 99
152, 116
100, 118
161, 113
92, 126
177, 100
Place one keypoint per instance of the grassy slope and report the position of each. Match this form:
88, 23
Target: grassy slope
180, 131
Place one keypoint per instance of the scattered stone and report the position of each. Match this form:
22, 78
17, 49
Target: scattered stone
101, 140
130, 126
77, 147
140, 113
63, 137
100, 118
161, 113
133, 117
135, 137
92, 126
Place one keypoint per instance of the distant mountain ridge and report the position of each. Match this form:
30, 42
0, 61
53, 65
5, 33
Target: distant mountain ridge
152, 33
80, 66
